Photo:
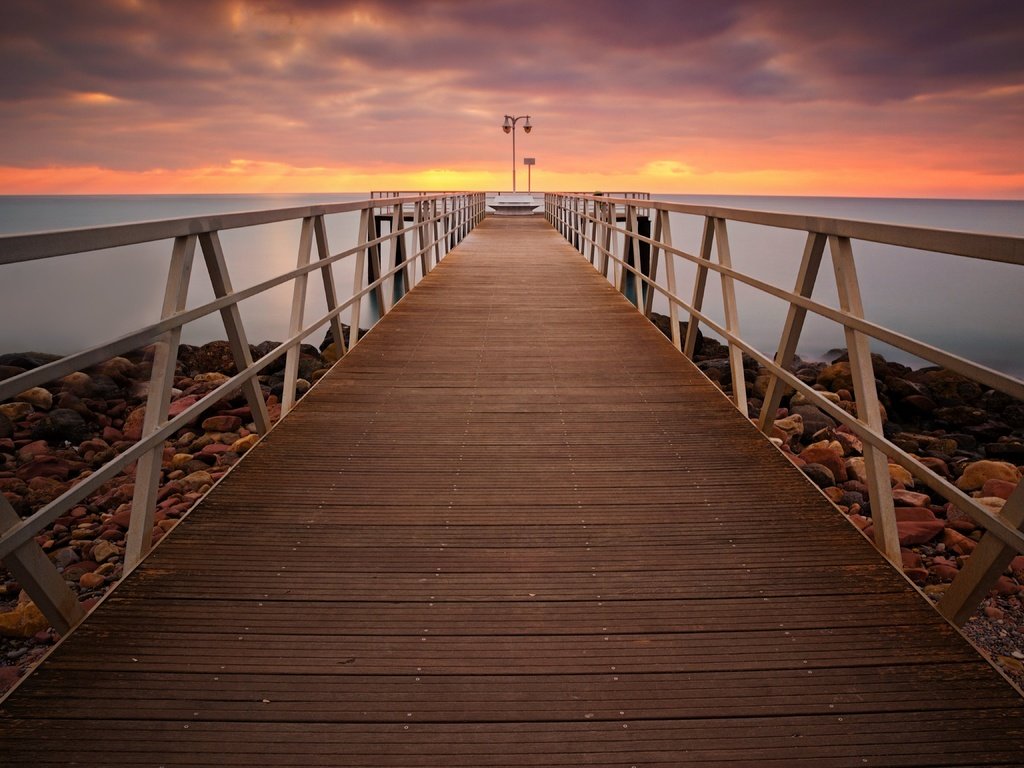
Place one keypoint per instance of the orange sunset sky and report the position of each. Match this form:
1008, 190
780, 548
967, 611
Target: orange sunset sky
909, 98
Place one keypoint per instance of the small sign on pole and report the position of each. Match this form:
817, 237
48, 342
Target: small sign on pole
529, 162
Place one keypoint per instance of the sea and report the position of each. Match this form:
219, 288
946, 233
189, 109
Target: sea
970, 307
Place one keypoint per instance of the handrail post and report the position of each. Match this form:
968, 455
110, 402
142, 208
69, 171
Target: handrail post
577, 239
654, 257
291, 360
401, 282
876, 464
810, 263
323, 252
421, 236
608, 211
595, 212
699, 284
663, 235
217, 267
435, 232
165, 356
732, 318
630, 257
362, 237
38, 576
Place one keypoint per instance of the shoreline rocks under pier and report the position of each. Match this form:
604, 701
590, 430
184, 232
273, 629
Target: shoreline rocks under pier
968, 434
53, 435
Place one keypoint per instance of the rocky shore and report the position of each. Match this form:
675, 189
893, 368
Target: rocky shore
969, 434
52, 436
55, 435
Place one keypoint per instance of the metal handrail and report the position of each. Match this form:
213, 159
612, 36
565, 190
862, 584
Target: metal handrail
439, 221
592, 222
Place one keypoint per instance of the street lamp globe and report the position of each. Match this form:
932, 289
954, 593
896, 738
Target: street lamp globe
509, 126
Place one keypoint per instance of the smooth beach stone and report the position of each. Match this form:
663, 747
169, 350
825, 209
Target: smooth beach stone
77, 383
975, 474
898, 474
222, 424
826, 457
133, 423
820, 475
37, 397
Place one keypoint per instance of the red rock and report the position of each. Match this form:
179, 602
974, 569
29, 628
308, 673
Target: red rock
178, 510
938, 466
215, 448
827, 458
910, 558
918, 531
31, 450
1017, 566
910, 498
998, 488
915, 515
91, 581
863, 523
957, 542
852, 445
45, 466
133, 423
835, 495
181, 404
994, 612
917, 575
959, 520
111, 435
222, 423
944, 572
169, 489
1005, 586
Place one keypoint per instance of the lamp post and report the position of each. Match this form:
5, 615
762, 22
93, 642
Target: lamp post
510, 127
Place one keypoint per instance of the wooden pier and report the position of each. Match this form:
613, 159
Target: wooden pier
514, 527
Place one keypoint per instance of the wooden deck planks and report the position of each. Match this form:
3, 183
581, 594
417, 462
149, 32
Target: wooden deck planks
514, 527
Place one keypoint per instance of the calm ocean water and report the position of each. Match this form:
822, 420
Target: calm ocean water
967, 306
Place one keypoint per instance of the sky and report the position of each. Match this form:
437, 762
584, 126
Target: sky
898, 98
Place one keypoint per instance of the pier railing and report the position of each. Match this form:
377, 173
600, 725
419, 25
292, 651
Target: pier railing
433, 223
607, 232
